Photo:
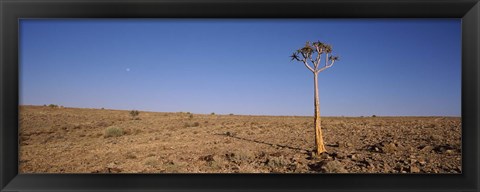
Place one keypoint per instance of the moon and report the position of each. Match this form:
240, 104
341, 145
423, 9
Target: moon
127, 69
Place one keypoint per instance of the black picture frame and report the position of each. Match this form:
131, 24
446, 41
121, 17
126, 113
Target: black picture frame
12, 10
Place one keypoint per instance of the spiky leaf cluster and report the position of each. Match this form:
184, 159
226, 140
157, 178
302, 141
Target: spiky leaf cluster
312, 52
307, 51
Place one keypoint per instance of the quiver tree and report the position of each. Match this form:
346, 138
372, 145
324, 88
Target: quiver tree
311, 56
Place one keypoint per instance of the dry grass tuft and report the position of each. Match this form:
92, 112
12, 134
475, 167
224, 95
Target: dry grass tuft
113, 131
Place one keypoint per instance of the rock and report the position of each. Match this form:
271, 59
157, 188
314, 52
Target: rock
207, 158
334, 145
436, 137
426, 148
354, 157
414, 169
412, 161
422, 162
332, 167
339, 155
113, 168
444, 149
325, 156
389, 148
111, 165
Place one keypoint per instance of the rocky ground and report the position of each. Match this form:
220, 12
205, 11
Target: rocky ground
74, 140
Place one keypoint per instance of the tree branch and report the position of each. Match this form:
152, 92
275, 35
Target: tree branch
308, 66
325, 67
319, 56
329, 65
314, 63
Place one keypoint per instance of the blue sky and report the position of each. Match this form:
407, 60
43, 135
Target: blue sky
392, 67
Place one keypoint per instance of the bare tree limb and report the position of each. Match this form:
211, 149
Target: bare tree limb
308, 66
325, 67
333, 61
314, 63
319, 56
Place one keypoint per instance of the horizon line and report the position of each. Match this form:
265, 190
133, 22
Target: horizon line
102, 108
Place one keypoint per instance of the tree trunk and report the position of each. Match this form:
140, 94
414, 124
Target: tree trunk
319, 147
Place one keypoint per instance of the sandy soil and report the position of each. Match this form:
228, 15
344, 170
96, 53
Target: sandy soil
74, 140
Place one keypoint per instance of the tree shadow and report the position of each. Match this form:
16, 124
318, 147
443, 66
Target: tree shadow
305, 151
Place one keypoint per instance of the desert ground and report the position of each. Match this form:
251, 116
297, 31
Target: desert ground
77, 140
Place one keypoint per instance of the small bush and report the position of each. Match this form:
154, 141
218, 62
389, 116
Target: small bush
230, 114
190, 116
374, 116
53, 106
113, 131
212, 113
130, 155
276, 161
151, 161
196, 124
134, 114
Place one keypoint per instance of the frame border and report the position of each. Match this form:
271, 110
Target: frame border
13, 10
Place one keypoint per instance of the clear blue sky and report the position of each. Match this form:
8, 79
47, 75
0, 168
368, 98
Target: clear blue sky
387, 66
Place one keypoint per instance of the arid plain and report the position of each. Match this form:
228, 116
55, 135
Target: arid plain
76, 140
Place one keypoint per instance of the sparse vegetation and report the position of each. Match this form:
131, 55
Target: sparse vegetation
53, 106
113, 131
240, 144
374, 116
134, 114
195, 124
212, 113
130, 155
151, 161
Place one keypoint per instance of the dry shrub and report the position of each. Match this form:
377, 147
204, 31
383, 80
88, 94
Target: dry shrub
276, 161
173, 167
151, 161
113, 131
195, 124
213, 161
130, 155
134, 114
240, 157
